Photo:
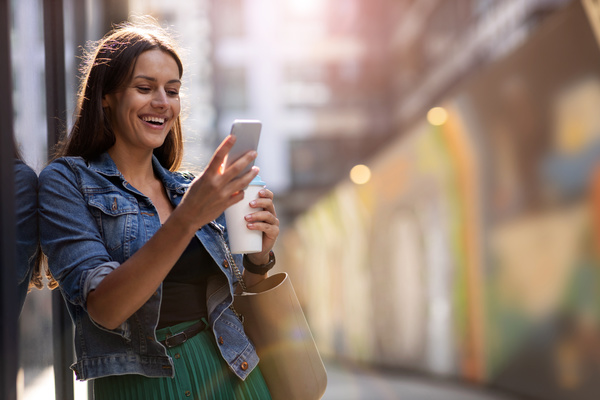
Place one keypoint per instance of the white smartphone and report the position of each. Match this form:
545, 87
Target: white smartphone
247, 133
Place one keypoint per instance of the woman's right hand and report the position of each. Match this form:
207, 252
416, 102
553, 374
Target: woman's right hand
217, 187
123, 291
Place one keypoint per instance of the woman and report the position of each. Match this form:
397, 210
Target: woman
140, 251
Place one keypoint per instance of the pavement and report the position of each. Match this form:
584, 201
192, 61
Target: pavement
360, 383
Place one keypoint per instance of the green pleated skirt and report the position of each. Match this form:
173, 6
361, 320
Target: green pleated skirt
200, 373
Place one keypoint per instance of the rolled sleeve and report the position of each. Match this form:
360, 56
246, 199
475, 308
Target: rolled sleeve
91, 281
95, 276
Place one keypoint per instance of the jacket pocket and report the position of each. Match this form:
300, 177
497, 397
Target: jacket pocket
116, 216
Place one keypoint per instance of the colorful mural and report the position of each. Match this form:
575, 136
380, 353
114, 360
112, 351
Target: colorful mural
472, 251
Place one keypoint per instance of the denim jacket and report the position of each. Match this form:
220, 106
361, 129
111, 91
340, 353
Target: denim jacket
26, 182
91, 221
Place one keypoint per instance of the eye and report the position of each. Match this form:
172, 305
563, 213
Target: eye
143, 89
173, 92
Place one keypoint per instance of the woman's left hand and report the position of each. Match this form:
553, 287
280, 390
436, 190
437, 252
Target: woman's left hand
264, 220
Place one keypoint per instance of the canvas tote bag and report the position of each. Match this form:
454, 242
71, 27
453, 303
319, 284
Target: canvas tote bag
274, 321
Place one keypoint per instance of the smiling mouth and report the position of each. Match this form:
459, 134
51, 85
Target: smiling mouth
154, 120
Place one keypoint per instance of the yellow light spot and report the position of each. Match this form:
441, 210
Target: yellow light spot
437, 116
360, 174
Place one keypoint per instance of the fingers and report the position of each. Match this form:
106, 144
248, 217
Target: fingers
217, 162
220, 154
264, 201
266, 194
234, 170
239, 184
234, 198
266, 219
262, 216
271, 228
215, 169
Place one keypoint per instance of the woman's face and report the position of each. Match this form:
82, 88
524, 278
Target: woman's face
143, 112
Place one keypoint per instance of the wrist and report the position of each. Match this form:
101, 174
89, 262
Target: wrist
182, 221
259, 269
257, 258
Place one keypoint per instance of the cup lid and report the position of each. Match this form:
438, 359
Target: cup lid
257, 181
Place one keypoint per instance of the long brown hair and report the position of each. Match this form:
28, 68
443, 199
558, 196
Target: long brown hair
106, 69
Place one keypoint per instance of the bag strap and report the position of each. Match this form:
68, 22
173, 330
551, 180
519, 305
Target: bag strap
234, 266
238, 275
240, 279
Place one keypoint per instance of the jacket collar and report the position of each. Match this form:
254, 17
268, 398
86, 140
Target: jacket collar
105, 165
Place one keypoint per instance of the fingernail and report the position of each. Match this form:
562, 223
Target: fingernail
253, 203
248, 217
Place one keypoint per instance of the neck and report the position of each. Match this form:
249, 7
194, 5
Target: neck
135, 167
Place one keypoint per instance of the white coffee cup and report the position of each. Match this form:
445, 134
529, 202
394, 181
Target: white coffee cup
241, 239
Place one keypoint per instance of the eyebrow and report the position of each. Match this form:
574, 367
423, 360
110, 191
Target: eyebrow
149, 78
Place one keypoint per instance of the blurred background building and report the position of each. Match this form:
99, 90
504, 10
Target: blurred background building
332, 80
477, 122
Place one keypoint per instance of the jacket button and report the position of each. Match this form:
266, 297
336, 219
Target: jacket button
225, 263
244, 365
188, 393
221, 341
178, 356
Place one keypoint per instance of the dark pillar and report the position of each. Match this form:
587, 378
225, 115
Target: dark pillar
8, 280
54, 43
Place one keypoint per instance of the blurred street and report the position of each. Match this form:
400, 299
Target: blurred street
356, 383
435, 167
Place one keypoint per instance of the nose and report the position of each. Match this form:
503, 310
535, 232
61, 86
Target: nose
160, 99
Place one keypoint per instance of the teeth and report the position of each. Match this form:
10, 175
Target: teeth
154, 119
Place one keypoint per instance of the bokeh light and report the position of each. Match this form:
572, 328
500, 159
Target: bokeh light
360, 174
437, 116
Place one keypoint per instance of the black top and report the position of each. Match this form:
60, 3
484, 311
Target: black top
184, 288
